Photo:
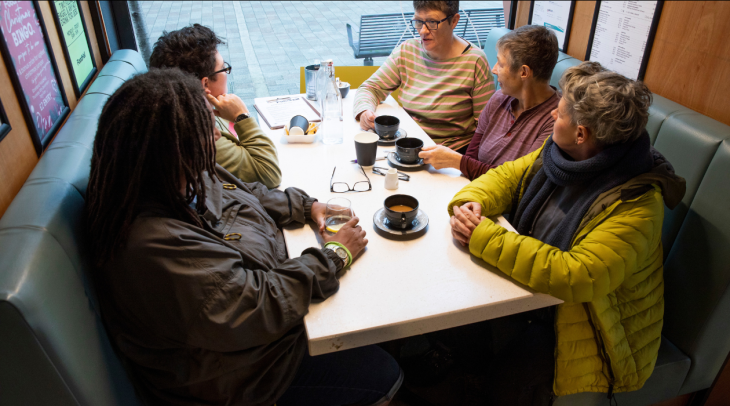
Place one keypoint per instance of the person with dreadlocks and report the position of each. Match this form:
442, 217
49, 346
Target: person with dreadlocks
241, 146
195, 286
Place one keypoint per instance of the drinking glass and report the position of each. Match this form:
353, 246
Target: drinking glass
337, 213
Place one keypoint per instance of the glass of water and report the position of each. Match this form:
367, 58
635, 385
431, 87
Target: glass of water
337, 213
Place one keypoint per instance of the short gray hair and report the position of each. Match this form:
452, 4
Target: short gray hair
449, 8
534, 46
611, 105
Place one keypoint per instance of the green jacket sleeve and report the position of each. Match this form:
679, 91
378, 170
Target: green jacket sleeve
601, 260
251, 157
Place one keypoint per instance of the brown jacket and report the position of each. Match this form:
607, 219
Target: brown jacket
205, 320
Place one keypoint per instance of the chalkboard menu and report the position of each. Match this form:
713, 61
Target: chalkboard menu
75, 39
622, 35
556, 16
4, 123
32, 68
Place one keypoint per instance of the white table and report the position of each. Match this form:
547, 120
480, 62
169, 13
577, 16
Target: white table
395, 289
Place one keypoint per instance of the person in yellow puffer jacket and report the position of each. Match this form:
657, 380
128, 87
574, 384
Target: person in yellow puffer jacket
588, 207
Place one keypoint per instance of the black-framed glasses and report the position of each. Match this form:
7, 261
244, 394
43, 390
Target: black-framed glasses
228, 68
432, 25
342, 187
379, 170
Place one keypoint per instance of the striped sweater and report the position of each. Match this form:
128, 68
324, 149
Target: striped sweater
444, 97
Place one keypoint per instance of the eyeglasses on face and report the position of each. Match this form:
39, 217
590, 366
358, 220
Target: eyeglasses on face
227, 69
342, 187
432, 25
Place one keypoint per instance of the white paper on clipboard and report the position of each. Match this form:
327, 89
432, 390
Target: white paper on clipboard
277, 111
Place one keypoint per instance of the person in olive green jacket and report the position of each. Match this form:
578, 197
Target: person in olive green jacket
588, 208
242, 147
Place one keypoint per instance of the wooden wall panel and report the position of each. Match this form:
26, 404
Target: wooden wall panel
523, 13
690, 60
580, 30
17, 153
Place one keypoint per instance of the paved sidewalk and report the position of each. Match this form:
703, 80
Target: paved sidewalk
267, 42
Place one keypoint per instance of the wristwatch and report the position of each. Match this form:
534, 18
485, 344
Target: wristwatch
242, 117
339, 251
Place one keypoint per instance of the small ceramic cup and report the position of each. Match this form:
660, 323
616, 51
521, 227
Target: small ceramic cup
407, 149
386, 126
344, 89
397, 217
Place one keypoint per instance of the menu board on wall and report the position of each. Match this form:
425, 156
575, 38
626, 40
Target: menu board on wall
75, 40
622, 35
32, 68
4, 123
556, 16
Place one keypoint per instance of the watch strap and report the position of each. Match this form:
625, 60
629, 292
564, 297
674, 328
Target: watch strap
337, 244
330, 253
241, 117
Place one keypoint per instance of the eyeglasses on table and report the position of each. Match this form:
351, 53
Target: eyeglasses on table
342, 187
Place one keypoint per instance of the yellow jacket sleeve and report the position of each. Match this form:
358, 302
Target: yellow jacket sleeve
251, 157
494, 190
626, 232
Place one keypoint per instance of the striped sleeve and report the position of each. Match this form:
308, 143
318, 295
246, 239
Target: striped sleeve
374, 90
483, 87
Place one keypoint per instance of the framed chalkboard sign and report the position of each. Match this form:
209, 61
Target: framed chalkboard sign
556, 16
32, 69
75, 40
4, 123
622, 35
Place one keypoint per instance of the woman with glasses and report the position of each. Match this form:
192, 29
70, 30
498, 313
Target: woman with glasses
241, 147
445, 81
192, 273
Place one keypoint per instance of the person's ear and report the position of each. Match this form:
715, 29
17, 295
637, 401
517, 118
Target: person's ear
525, 72
584, 134
204, 82
455, 20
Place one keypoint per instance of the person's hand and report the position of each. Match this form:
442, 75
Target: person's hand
464, 221
440, 157
367, 120
227, 106
318, 210
351, 236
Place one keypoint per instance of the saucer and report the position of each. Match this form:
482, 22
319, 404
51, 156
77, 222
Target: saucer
418, 225
393, 161
401, 133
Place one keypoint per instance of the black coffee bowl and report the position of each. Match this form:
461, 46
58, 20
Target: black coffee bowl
407, 149
386, 126
398, 219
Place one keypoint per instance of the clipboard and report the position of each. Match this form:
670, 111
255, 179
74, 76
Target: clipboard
277, 111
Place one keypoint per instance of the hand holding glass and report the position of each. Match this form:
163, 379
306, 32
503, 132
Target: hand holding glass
337, 213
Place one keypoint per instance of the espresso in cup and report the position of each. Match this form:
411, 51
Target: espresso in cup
407, 149
386, 126
401, 210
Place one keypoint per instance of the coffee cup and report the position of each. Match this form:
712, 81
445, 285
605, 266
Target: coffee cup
401, 210
386, 126
407, 149
298, 125
366, 147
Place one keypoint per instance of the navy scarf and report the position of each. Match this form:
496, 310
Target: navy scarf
612, 167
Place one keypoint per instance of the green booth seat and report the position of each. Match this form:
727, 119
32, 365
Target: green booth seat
53, 345
697, 277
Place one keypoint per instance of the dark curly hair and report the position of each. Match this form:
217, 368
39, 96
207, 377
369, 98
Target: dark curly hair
191, 49
154, 131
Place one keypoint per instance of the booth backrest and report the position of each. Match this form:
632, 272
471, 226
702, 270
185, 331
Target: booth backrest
53, 346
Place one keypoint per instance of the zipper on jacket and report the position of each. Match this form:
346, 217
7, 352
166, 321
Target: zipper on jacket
602, 353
